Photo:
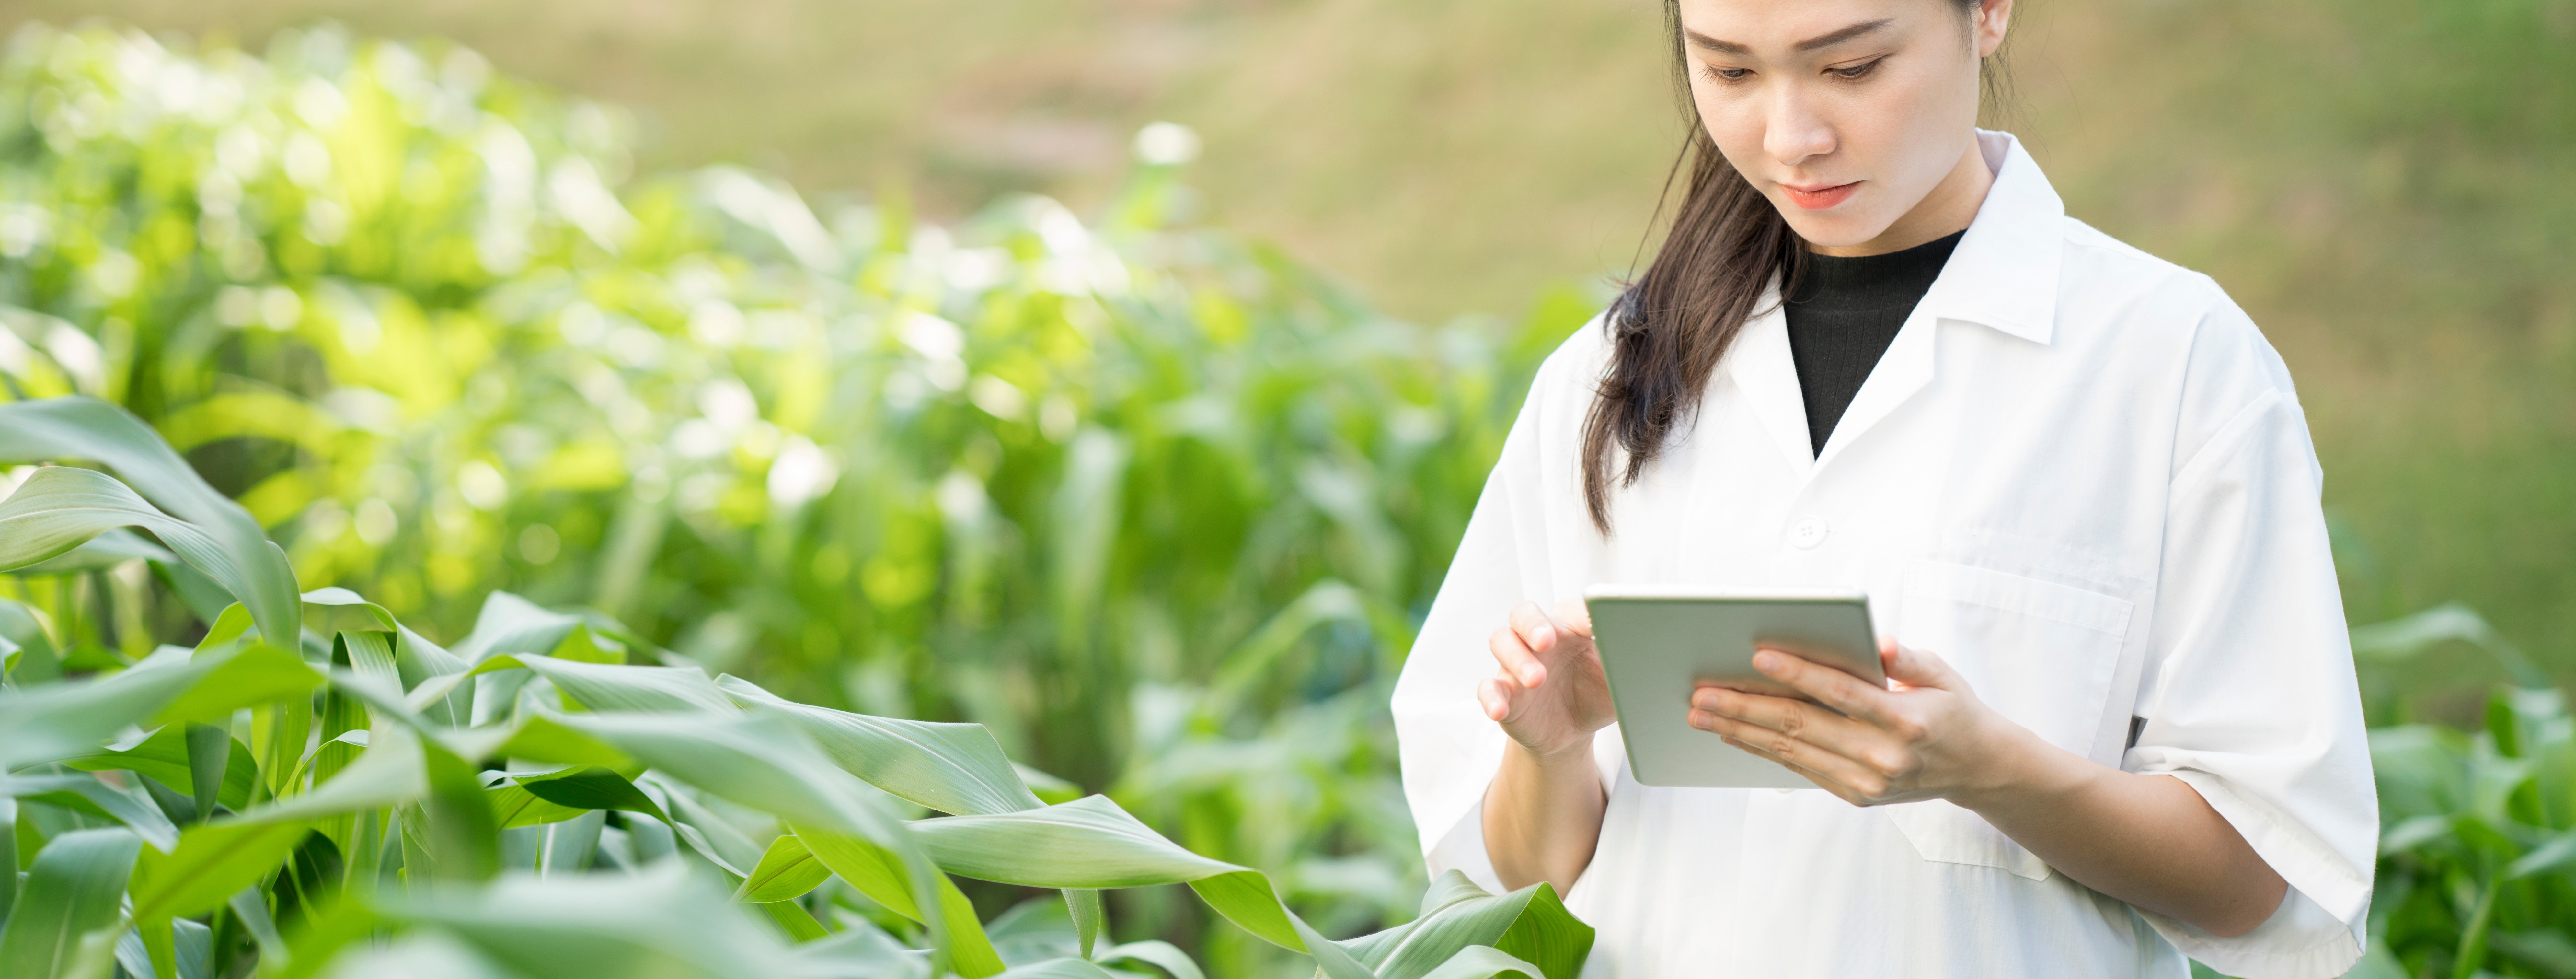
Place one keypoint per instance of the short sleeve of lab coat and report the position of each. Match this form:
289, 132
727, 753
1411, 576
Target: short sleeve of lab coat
2248, 693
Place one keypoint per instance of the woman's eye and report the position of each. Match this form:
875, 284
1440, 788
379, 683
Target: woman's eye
1855, 71
1728, 74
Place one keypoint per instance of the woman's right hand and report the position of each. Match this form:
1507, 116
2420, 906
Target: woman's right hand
1547, 691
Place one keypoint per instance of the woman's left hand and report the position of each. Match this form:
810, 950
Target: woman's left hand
1928, 737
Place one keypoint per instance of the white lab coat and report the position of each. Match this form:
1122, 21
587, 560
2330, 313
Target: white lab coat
2080, 475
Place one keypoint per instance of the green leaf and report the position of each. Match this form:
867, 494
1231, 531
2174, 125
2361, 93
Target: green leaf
1529, 923
1089, 917
87, 428
660, 922
212, 862
87, 794
72, 889
862, 950
2556, 853
764, 762
952, 768
1058, 969
538, 738
163, 757
392, 771
794, 919
876, 871
251, 908
786, 871
592, 787
252, 675
514, 806
1158, 954
1092, 843
23, 638
510, 624
607, 687
342, 921
107, 550
68, 720
464, 836
330, 611
1481, 962
2405, 638
209, 752
9, 816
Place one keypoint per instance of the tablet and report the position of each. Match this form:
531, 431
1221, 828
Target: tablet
1658, 643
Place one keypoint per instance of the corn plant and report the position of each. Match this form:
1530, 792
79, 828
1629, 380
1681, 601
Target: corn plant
538, 800
1157, 508
2477, 872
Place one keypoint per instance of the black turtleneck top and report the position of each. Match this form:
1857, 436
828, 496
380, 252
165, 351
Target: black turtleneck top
1843, 313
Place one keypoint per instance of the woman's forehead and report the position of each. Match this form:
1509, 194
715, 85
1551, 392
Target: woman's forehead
1762, 27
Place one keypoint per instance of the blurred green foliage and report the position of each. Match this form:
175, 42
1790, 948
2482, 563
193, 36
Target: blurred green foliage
323, 791
1157, 508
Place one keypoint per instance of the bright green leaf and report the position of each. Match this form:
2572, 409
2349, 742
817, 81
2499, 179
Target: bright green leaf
72, 888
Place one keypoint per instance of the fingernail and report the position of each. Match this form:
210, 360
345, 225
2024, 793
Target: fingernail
1530, 676
1765, 660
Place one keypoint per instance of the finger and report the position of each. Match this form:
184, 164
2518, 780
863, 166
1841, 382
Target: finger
1831, 687
1840, 790
1494, 694
1794, 718
1920, 668
1535, 629
1855, 779
1516, 658
1574, 617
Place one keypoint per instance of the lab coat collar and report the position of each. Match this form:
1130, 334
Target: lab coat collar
2004, 272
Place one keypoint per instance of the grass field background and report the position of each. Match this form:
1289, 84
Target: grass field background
2385, 184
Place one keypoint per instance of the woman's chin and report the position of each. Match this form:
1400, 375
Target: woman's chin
1832, 230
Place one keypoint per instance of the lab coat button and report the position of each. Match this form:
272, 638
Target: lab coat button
1807, 532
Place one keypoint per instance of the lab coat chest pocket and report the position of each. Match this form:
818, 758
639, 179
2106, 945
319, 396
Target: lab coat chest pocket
2042, 654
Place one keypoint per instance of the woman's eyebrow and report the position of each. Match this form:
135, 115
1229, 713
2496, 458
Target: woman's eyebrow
1825, 40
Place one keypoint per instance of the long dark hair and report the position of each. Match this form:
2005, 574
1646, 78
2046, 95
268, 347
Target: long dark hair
1673, 324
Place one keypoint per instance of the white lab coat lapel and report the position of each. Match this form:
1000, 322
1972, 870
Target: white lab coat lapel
2003, 274
1761, 367
1904, 369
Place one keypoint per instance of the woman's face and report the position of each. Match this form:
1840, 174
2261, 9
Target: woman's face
1845, 113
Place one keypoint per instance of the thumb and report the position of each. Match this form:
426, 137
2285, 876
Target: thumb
1573, 616
1918, 668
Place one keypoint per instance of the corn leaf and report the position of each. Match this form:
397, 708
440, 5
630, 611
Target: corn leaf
86, 793
251, 675
1482, 962
1058, 969
510, 624
212, 862
163, 757
1090, 843
592, 787
1158, 954
660, 922
786, 871
73, 719
1529, 923
238, 552
73, 888
953, 768
607, 687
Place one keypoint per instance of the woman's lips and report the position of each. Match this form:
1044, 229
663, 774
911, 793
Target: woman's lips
1820, 198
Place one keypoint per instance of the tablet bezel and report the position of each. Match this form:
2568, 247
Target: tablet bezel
1650, 684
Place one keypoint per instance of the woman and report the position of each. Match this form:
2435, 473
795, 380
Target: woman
2074, 481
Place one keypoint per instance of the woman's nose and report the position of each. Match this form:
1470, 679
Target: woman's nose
1791, 132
